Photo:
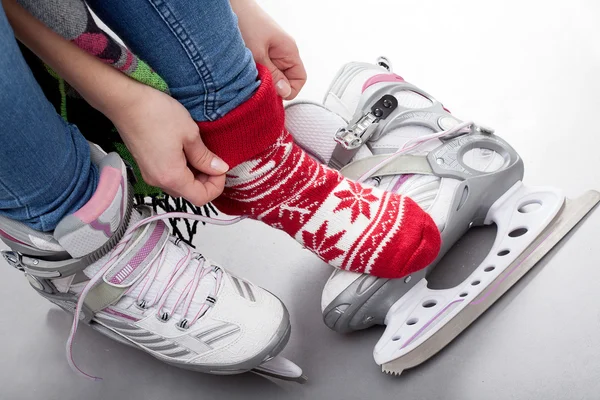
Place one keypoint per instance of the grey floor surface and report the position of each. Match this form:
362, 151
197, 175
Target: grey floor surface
531, 69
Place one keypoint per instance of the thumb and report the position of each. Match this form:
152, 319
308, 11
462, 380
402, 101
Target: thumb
202, 159
282, 85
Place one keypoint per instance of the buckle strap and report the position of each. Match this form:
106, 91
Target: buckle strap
102, 296
402, 164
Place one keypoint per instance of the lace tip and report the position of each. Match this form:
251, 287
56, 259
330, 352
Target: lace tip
84, 375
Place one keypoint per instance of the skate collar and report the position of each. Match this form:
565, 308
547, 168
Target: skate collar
51, 265
379, 111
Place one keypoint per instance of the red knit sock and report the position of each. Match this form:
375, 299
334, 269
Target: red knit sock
346, 224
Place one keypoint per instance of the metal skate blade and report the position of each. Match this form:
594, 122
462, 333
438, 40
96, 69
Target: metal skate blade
281, 368
572, 212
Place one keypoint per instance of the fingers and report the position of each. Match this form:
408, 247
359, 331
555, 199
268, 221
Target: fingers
197, 189
204, 180
202, 159
195, 173
282, 85
296, 76
289, 72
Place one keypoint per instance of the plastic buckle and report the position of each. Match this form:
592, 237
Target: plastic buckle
14, 260
355, 135
385, 63
350, 139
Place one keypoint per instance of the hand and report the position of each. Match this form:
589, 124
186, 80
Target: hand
272, 47
159, 132
165, 141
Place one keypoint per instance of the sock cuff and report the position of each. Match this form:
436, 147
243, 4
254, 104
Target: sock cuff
250, 128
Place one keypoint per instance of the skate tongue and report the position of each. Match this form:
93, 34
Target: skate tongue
150, 261
167, 272
314, 126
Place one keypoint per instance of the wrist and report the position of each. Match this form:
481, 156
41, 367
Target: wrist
119, 102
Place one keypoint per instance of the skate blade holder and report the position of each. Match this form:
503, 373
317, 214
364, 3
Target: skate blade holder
281, 368
530, 222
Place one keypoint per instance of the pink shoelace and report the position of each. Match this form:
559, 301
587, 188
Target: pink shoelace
186, 296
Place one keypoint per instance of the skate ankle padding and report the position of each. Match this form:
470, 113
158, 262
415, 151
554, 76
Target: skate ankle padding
101, 222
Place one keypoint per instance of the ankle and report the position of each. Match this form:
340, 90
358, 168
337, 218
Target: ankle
249, 129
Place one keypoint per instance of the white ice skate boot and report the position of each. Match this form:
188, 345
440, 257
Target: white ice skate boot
377, 128
118, 269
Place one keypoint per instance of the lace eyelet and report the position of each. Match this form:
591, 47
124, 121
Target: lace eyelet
183, 324
163, 316
211, 301
141, 304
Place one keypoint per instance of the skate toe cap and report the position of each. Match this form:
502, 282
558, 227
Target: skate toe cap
258, 323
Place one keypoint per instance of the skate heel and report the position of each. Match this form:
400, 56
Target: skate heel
366, 302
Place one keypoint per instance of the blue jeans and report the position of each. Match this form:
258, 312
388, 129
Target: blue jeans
195, 46
45, 167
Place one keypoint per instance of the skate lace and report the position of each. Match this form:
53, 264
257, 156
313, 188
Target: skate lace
185, 297
461, 128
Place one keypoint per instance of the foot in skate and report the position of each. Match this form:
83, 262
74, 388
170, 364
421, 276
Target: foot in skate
117, 268
379, 129
348, 225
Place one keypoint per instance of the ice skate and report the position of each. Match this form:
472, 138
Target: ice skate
117, 268
377, 128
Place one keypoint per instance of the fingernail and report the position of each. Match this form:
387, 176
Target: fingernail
283, 88
219, 165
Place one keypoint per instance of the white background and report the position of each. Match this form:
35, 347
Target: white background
528, 68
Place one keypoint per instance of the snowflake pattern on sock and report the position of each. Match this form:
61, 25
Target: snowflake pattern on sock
346, 224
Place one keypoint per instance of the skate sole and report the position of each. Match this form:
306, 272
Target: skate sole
572, 212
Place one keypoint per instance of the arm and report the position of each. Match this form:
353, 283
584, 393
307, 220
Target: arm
271, 46
105, 88
158, 131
